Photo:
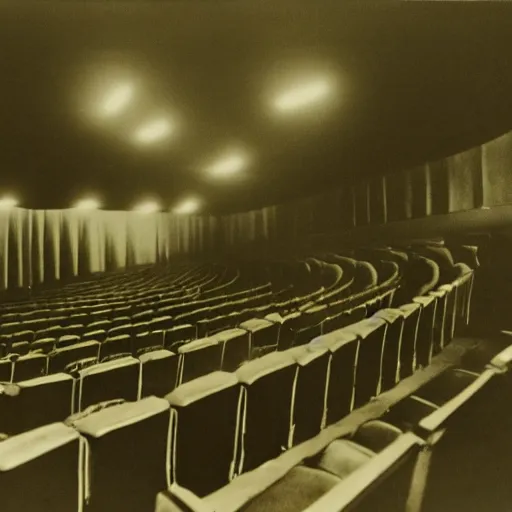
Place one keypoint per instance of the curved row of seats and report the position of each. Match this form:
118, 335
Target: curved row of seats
302, 390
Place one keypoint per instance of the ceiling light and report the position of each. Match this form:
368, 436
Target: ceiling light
6, 203
153, 131
147, 207
302, 95
116, 99
227, 166
187, 207
87, 204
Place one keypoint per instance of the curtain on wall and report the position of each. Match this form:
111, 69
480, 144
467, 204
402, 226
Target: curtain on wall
48, 245
478, 177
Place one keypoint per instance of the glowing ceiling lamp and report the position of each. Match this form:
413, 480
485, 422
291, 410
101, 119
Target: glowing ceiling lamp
147, 207
303, 95
87, 204
187, 207
228, 165
153, 131
6, 203
116, 99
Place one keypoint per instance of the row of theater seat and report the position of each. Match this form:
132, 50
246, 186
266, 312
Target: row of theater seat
299, 390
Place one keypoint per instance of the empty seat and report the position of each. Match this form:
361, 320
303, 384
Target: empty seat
44, 345
371, 333
439, 341
148, 340
376, 435
424, 340
30, 366
107, 381
344, 349
38, 402
236, 348
160, 323
300, 487
269, 384
178, 334
74, 329
20, 347
159, 370
383, 483
128, 449
68, 340
99, 325
62, 357
39, 470
264, 335
199, 358
411, 313
55, 331
341, 458
392, 346
22, 336
121, 344
96, 335
310, 401
204, 463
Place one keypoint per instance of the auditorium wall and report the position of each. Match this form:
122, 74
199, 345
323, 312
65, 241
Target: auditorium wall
476, 178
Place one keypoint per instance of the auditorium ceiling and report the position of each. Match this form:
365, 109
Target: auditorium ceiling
240, 104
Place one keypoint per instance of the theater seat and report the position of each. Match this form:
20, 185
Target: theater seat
411, 313
341, 458
376, 435
39, 470
206, 461
310, 392
30, 366
199, 358
371, 333
128, 454
269, 384
344, 348
62, 357
236, 348
264, 334
298, 489
107, 381
159, 370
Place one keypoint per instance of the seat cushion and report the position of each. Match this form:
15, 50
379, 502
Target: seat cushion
298, 489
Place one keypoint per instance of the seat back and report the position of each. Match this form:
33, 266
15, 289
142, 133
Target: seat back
371, 333
236, 348
204, 463
159, 369
310, 404
39, 470
30, 366
199, 358
344, 349
269, 386
382, 483
392, 346
425, 338
128, 449
121, 344
107, 381
62, 357
411, 313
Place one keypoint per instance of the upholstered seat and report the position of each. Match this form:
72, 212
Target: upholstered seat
159, 369
128, 454
372, 333
109, 380
121, 344
392, 346
269, 384
311, 389
30, 366
39, 470
411, 314
376, 435
344, 349
199, 358
205, 460
62, 357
